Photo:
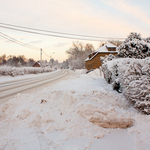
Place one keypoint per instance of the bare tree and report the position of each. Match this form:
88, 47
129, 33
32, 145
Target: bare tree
102, 44
78, 53
30, 62
65, 64
116, 42
4, 59
22, 60
15, 61
1, 60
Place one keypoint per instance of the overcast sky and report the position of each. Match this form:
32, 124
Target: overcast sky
107, 18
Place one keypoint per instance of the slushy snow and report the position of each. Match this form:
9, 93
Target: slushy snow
82, 112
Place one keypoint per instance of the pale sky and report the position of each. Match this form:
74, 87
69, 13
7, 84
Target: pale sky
105, 18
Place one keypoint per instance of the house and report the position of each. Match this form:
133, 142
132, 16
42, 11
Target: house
93, 61
36, 64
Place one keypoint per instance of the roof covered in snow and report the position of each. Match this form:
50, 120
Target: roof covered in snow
105, 46
37, 63
110, 45
103, 49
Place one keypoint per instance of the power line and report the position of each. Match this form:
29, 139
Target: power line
45, 54
20, 43
2, 26
17, 42
58, 32
47, 34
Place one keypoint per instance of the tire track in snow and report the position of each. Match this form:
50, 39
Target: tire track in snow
7, 89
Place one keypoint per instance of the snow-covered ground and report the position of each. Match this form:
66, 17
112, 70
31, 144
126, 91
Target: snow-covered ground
79, 113
21, 77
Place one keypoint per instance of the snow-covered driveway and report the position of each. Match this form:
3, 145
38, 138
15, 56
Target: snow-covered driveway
14, 86
79, 113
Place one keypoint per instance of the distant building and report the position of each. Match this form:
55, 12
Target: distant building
93, 60
36, 64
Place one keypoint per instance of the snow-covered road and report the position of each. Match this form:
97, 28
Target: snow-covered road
12, 87
81, 112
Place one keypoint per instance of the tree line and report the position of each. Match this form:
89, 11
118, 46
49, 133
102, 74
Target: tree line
22, 61
16, 61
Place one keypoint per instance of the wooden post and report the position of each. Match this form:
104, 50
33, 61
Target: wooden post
100, 69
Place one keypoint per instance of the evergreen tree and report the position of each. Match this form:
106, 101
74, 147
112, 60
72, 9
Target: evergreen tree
134, 47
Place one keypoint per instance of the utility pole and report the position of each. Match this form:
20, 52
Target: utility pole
41, 55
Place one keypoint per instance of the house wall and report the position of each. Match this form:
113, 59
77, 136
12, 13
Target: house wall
89, 64
95, 62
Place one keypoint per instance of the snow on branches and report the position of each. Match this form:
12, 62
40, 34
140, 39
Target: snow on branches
132, 78
134, 47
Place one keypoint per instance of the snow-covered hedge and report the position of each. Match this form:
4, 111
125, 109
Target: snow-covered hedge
132, 78
14, 71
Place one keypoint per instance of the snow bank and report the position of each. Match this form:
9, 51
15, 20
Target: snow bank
71, 114
95, 73
14, 71
83, 113
132, 77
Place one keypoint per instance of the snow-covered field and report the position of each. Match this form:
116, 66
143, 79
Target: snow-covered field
79, 113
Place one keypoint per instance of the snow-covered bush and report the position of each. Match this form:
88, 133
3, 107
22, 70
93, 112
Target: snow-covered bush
147, 40
108, 72
14, 71
107, 58
134, 47
132, 77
